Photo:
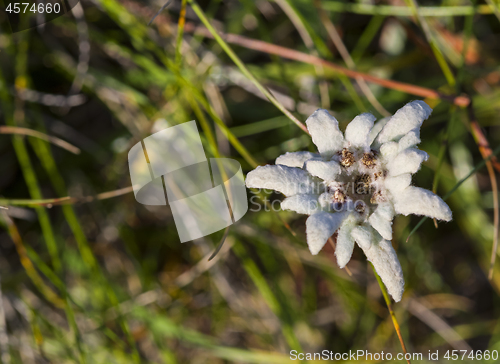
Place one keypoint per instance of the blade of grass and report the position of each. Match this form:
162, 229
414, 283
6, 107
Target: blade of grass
440, 326
299, 24
16, 119
288, 53
344, 53
52, 139
4, 337
137, 32
159, 12
45, 156
180, 32
199, 12
480, 165
483, 145
66, 200
366, 38
311, 40
21, 81
453, 110
260, 282
442, 152
389, 10
221, 243
450, 78
48, 293
494, 247
259, 126
163, 327
387, 300
494, 6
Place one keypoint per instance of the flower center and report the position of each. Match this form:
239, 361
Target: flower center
358, 186
347, 158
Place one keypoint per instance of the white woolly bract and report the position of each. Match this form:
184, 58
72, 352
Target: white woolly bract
409, 140
408, 118
389, 150
319, 227
302, 204
358, 131
363, 235
377, 127
408, 161
327, 171
295, 159
385, 261
398, 183
381, 224
418, 201
287, 180
325, 132
345, 242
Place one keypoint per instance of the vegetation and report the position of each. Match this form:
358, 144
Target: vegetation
89, 275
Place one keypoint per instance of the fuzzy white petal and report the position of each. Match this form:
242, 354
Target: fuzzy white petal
326, 200
303, 204
345, 242
408, 161
409, 140
287, 180
358, 130
325, 132
386, 210
295, 159
363, 235
319, 227
409, 117
381, 220
327, 171
419, 201
389, 150
377, 127
398, 183
386, 264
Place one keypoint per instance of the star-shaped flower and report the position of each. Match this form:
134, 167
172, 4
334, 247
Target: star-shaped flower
356, 185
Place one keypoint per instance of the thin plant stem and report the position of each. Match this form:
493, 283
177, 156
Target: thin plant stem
495, 7
31, 272
457, 185
344, 53
391, 311
4, 336
199, 12
483, 145
180, 32
389, 10
494, 247
34, 133
450, 78
159, 12
66, 200
292, 54
299, 24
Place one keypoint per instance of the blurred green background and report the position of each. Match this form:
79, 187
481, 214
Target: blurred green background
97, 277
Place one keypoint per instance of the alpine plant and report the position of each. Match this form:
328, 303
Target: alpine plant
356, 184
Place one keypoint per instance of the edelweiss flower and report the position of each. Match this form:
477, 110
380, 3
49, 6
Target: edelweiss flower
356, 185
